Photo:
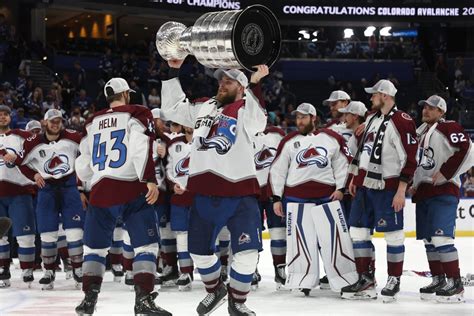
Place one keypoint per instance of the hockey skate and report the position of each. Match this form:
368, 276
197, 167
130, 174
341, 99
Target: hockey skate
428, 292
324, 283
47, 281
77, 274
170, 276
129, 280
87, 306
27, 275
117, 271
185, 282
145, 304
280, 277
390, 291
363, 289
224, 274
68, 268
5, 277
238, 309
212, 301
256, 278
452, 292
305, 291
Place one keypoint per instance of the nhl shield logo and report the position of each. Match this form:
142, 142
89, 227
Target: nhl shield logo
42, 153
178, 148
296, 145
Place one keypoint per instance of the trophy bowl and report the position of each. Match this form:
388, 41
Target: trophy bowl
225, 39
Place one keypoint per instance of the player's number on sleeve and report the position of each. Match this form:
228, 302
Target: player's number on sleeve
99, 156
457, 138
410, 139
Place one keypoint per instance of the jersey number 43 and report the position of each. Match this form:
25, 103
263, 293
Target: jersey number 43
99, 155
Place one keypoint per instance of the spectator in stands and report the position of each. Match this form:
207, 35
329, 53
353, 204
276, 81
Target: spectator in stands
106, 65
68, 90
441, 69
137, 97
153, 72
21, 120
4, 28
79, 75
76, 121
48, 103
154, 100
124, 67
468, 185
82, 101
34, 103
459, 84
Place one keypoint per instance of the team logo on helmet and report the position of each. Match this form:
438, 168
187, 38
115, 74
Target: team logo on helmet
312, 156
4, 151
182, 167
57, 164
264, 158
426, 158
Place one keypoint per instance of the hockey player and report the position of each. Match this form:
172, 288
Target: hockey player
222, 175
50, 158
353, 115
310, 165
15, 203
266, 144
116, 157
384, 163
338, 100
177, 171
34, 127
445, 152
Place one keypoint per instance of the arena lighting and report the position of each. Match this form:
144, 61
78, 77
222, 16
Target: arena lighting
304, 33
46, 19
45, 57
315, 33
385, 31
348, 33
369, 31
314, 40
145, 28
126, 34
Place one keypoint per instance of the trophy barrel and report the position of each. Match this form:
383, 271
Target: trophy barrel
169, 42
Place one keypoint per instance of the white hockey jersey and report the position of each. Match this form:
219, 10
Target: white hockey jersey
116, 154
398, 150
309, 166
222, 165
53, 160
446, 148
340, 128
12, 181
266, 145
177, 169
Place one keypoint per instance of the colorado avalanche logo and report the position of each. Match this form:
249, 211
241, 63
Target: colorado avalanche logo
221, 143
264, 158
369, 141
57, 164
182, 167
425, 158
312, 156
4, 151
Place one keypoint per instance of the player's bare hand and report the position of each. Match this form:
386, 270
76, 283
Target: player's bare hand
336, 196
84, 201
398, 201
175, 63
359, 130
278, 209
161, 150
39, 181
10, 157
438, 178
352, 188
178, 189
152, 194
262, 71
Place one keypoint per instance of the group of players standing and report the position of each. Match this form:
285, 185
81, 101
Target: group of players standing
177, 194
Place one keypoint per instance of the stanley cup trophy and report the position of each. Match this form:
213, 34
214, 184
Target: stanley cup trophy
225, 39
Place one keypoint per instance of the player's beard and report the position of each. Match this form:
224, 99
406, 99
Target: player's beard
51, 132
226, 97
306, 129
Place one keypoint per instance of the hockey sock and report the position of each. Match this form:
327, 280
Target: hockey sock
168, 246
26, 251
115, 252
209, 268
436, 267
395, 256
62, 247
144, 267
75, 249
224, 242
448, 255
93, 270
4, 252
185, 261
243, 267
363, 255
128, 255
278, 245
49, 251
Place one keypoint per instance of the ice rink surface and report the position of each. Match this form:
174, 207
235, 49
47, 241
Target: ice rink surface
117, 299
